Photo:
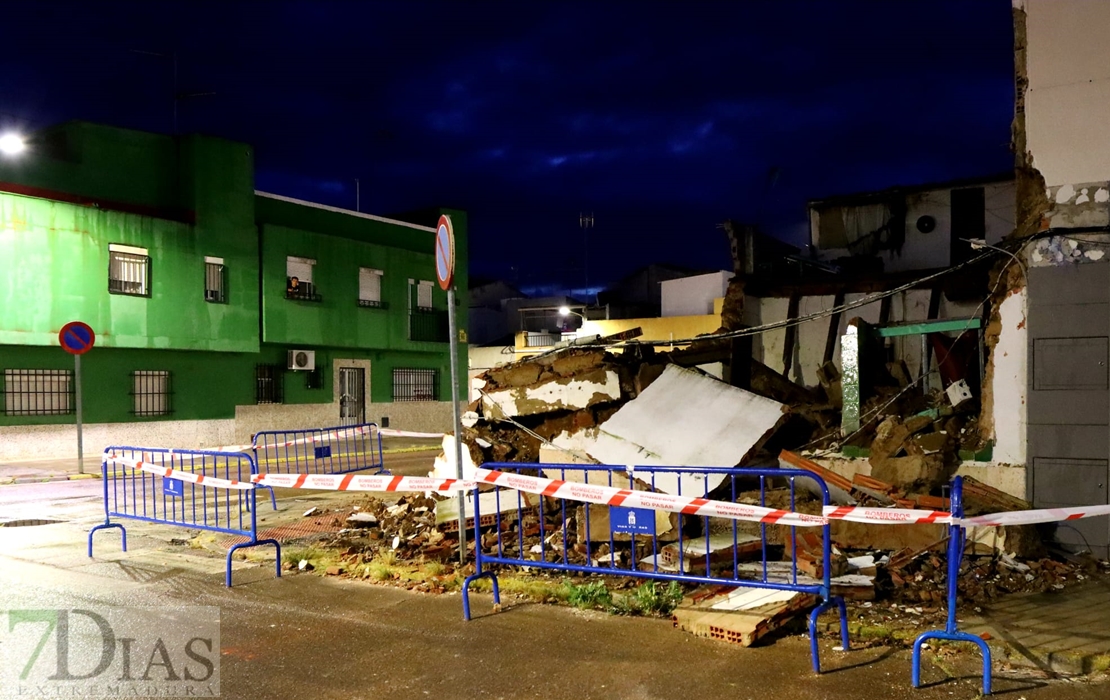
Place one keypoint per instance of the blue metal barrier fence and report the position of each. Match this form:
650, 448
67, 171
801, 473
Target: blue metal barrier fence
956, 537
138, 495
633, 546
338, 450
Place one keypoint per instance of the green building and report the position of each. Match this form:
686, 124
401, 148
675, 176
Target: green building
219, 310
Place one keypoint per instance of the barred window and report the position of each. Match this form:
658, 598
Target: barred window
269, 384
151, 393
415, 384
370, 287
38, 392
128, 270
215, 281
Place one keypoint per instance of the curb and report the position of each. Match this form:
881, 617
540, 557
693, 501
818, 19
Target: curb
1066, 663
402, 450
49, 478
45, 479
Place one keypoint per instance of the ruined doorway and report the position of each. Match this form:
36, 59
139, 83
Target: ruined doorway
968, 211
352, 395
1069, 397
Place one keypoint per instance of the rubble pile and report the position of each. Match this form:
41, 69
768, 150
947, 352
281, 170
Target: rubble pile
638, 406
924, 578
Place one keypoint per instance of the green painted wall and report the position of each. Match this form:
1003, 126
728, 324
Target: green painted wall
338, 320
101, 162
141, 190
54, 263
206, 385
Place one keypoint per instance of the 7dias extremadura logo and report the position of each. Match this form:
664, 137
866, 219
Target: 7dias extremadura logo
110, 652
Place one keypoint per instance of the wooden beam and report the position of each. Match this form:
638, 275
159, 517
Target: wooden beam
834, 328
791, 334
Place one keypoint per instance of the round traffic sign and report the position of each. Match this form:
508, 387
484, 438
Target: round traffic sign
76, 338
445, 253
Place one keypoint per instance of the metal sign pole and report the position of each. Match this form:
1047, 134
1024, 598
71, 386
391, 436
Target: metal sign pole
77, 397
453, 331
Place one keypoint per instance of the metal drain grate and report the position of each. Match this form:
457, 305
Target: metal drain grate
30, 523
296, 531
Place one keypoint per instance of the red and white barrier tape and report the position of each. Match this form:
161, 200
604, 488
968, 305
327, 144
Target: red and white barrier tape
886, 516
324, 482
350, 482
611, 496
390, 432
1031, 517
320, 437
180, 474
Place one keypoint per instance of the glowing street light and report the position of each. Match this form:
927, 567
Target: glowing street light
12, 144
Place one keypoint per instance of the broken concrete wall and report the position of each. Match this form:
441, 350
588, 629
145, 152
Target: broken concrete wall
558, 393
919, 250
810, 338
1068, 97
1008, 381
1062, 163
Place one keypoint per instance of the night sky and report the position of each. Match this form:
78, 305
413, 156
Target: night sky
662, 118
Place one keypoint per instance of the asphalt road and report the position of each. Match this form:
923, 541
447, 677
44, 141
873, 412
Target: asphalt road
303, 636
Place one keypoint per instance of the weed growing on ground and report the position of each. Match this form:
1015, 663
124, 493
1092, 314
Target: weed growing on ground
434, 568
320, 558
653, 598
594, 595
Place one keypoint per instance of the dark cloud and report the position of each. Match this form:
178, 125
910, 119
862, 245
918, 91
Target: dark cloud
662, 118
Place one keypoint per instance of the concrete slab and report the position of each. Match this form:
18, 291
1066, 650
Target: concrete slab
685, 419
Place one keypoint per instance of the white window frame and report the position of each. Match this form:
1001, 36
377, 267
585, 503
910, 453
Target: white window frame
215, 280
370, 286
301, 268
424, 295
128, 270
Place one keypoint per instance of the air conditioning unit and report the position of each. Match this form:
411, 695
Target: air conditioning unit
302, 360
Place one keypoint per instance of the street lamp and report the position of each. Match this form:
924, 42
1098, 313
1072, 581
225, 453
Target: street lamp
12, 144
565, 311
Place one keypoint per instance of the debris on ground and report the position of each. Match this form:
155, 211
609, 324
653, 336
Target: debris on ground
636, 405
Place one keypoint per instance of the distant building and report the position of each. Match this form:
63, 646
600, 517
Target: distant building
219, 311
639, 295
912, 228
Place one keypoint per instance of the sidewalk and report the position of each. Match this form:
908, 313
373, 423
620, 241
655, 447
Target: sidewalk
42, 470
36, 471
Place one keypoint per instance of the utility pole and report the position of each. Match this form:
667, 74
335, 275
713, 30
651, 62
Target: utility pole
586, 222
177, 94
358, 195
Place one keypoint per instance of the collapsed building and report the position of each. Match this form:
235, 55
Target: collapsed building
927, 331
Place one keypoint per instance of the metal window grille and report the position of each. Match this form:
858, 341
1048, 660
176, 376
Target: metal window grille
269, 384
415, 384
151, 393
215, 283
128, 273
424, 295
540, 340
429, 326
370, 288
38, 392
